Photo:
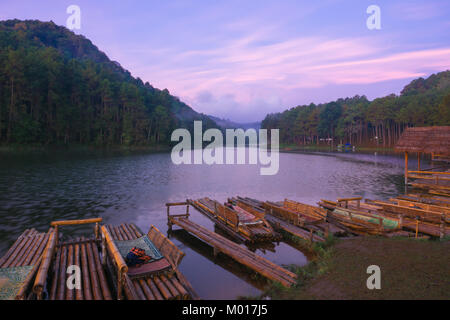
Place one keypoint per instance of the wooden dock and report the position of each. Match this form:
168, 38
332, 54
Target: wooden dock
255, 262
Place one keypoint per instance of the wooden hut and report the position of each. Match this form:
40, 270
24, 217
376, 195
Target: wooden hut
434, 141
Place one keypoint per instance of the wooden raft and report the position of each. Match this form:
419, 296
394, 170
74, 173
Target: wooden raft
28, 250
85, 254
160, 286
255, 262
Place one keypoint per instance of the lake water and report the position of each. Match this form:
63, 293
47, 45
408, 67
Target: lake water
37, 189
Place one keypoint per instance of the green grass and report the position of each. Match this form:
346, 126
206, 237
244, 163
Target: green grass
410, 269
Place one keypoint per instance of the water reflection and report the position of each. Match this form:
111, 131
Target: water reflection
36, 189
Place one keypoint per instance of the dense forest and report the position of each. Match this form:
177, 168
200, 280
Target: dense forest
358, 121
56, 87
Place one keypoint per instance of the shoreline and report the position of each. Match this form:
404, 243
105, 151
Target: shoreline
338, 270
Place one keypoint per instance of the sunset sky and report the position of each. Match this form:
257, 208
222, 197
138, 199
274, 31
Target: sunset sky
243, 59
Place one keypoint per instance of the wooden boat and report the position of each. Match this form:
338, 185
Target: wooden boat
105, 275
249, 224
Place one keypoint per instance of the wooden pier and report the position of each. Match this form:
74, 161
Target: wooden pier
255, 262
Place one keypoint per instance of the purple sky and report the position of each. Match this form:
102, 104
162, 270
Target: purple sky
243, 59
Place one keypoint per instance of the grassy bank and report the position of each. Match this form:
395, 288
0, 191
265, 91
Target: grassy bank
410, 269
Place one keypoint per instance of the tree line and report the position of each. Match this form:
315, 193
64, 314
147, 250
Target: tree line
58, 88
358, 121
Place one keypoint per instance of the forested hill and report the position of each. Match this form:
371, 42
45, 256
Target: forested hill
423, 102
56, 87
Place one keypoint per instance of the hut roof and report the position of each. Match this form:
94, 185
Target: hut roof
426, 140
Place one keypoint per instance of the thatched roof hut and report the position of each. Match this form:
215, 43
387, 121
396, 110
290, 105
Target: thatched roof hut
425, 140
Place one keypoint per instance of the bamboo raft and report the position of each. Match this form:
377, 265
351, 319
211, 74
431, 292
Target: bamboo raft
104, 273
242, 255
408, 213
295, 218
25, 253
243, 223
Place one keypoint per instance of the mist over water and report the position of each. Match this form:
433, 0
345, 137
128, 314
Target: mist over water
37, 189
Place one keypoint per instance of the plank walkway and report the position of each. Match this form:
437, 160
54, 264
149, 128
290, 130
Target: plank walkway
259, 264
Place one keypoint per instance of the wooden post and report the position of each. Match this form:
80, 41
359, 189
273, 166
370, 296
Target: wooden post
168, 212
418, 161
406, 167
417, 227
96, 229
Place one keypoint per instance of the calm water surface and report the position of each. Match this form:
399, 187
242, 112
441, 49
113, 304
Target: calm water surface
37, 189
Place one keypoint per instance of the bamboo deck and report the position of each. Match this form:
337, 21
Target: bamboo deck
236, 220
293, 230
98, 265
85, 254
26, 250
220, 244
166, 286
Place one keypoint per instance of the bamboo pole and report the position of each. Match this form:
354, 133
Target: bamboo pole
13, 247
85, 271
41, 277
406, 168
154, 289
75, 222
183, 292
418, 161
101, 275
255, 262
21, 294
95, 285
129, 289
170, 286
55, 275
77, 262
118, 259
148, 293
126, 232
13, 257
162, 288
29, 258
136, 231
138, 289
30, 248
69, 292
43, 246
123, 233
62, 274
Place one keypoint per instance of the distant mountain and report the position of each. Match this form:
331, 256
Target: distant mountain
57, 87
228, 124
